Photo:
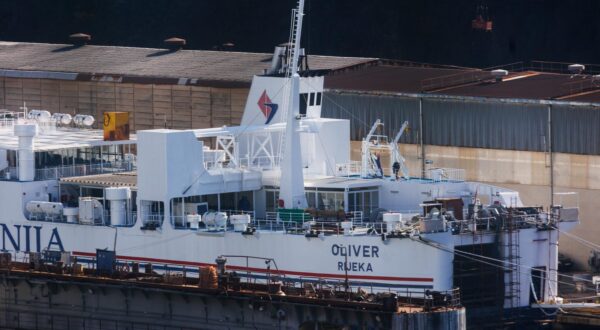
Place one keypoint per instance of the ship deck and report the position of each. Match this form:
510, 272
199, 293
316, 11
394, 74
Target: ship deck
122, 179
61, 138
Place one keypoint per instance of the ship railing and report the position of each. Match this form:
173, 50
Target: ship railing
9, 118
357, 217
471, 225
55, 173
9, 174
152, 221
446, 174
231, 212
423, 298
350, 169
259, 162
455, 79
274, 225
273, 222
491, 224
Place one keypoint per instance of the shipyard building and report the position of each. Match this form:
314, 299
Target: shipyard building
531, 126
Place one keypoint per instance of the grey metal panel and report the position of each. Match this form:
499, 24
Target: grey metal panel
363, 110
576, 130
38, 74
472, 123
485, 125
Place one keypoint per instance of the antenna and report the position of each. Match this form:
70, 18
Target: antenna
291, 183
24, 108
295, 36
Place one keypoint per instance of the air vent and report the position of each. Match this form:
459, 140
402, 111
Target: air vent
576, 68
175, 43
499, 74
80, 39
228, 45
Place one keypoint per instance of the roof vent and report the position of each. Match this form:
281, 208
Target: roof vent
175, 43
499, 74
576, 68
80, 39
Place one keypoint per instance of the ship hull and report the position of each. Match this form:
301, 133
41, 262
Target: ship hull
366, 261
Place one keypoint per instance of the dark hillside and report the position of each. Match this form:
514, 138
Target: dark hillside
435, 31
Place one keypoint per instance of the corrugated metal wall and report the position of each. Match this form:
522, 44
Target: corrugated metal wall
576, 130
467, 123
485, 125
363, 110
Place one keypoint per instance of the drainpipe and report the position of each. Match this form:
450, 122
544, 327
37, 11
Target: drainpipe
551, 151
422, 146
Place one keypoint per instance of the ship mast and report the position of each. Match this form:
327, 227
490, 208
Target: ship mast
291, 184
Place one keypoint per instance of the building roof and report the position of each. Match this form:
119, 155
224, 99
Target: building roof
539, 81
521, 82
385, 77
62, 61
527, 85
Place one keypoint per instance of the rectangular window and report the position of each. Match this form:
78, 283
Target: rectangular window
375, 199
538, 277
351, 204
318, 99
312, 99
303, 103
310, 199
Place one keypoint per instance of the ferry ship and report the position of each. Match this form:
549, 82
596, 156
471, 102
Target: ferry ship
277, 196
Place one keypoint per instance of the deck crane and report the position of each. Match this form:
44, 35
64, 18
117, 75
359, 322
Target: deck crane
395, 156
371, 163
369, 167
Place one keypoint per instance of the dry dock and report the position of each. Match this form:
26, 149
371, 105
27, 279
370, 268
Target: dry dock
41, 295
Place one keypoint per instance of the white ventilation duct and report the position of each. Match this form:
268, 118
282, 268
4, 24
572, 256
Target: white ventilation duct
499, 74
26, 133
62, 118
84, 120
118, 197
240, 222
576, 68
39, 115
71, 213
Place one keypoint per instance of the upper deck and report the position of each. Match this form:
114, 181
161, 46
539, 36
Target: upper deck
58, 148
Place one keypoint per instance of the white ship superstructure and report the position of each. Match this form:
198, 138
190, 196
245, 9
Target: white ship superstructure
281, 187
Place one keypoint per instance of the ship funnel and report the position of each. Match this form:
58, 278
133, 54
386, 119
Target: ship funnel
26, 133
277, 59
280, 60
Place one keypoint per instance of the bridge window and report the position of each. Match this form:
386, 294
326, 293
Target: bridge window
303, 103
365, 200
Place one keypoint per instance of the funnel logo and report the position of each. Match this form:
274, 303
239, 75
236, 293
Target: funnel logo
267, 107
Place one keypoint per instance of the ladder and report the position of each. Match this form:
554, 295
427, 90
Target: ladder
292, 47
291, 62
512, 258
